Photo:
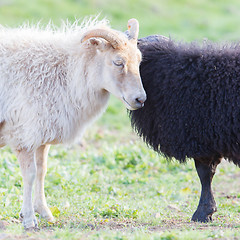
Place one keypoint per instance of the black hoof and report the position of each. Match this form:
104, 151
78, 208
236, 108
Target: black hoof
204, 213
201, 218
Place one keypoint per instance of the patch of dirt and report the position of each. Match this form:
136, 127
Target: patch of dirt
164, 225
3, 225
181, 224
125, 226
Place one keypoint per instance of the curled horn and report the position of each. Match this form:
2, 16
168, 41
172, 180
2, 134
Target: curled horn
111, 37
133, 29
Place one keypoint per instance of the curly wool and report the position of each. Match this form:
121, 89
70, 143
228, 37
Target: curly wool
193, 99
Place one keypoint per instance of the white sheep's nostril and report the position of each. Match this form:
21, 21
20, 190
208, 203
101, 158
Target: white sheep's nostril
140, 101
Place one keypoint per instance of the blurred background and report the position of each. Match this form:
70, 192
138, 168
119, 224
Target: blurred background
181, 19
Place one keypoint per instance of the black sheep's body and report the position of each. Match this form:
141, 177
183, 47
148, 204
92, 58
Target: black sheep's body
193, 99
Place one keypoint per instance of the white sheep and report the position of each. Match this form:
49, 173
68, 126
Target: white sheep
53, 84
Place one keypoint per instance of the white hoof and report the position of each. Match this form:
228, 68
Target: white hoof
29, 221
44, 212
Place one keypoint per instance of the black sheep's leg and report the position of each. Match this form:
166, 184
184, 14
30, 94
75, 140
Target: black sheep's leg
207, 206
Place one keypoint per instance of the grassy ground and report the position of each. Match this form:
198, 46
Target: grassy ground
112, 186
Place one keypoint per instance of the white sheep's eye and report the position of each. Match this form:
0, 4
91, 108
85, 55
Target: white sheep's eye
118, 63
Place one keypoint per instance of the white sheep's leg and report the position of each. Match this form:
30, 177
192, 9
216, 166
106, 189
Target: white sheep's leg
40, 204
28, 169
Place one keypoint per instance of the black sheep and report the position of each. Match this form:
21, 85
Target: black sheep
193, 106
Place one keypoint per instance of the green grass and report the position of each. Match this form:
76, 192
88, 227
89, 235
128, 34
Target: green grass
112, 186
181, 19
121, 192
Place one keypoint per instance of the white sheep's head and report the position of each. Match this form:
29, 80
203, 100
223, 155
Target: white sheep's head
118, 58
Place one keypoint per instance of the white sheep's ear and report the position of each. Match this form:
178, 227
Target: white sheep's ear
99, 43
133, 29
